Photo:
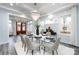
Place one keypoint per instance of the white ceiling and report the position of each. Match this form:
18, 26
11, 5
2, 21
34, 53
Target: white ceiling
42, 8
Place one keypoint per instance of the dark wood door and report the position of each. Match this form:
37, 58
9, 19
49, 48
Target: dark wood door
23, 28
20, 28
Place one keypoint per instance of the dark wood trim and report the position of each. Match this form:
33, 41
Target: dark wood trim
20, 32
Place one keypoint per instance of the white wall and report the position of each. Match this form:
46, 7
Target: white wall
77, 25
14, 27
66, 38
74, 37
74, 26
4, 28
10, 27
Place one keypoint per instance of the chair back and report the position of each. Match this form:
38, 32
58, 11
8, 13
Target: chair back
48, 33
56, 44
28, 43
22, 39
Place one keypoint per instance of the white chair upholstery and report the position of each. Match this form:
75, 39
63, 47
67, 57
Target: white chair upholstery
52, 48
19, 49
23, 42
48, 34
32, 46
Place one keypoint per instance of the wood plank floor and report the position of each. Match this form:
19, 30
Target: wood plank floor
64, 49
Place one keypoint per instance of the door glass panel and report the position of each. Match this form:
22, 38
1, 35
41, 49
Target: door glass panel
19, 26
23, 27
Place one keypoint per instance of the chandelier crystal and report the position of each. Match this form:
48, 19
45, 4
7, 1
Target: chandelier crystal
35, 15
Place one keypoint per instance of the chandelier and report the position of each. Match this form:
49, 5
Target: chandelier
34, 14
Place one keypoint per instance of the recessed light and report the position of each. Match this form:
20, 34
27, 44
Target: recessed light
53, 3
34, 10
50, 16
23, 16
11, 4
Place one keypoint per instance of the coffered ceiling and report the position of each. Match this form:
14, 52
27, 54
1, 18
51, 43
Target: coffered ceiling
26, 8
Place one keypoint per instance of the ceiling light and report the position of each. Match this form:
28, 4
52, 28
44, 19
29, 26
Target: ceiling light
53, 3
35, 15
50, 16
23, 16
34, 11
11, 4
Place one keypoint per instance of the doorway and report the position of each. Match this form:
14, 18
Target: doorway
20, 28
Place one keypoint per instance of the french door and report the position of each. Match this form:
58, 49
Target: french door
20, 28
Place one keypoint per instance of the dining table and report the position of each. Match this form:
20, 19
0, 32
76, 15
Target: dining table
44, 40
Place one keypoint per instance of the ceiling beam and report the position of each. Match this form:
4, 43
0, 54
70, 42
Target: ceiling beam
59, 9
13, 11
10, 10
27, 7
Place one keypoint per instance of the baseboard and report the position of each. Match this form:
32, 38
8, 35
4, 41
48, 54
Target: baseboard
3, 43
70, 44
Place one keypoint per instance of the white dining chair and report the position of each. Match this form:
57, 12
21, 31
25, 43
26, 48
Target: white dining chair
52, 48
23, 42
48, 33
32, 46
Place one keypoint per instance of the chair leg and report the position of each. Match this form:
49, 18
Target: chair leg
22, 45
57, 52
32, 39
39, 49
44, 50
52, 52
39, 41
25, 47
27, 51
32, 52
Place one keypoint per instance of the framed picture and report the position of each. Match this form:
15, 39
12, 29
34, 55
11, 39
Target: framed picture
66, 24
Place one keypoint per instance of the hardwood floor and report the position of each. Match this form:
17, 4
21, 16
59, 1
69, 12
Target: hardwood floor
64, 49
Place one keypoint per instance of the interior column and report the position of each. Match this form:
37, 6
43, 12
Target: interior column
14, 27
4, 26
